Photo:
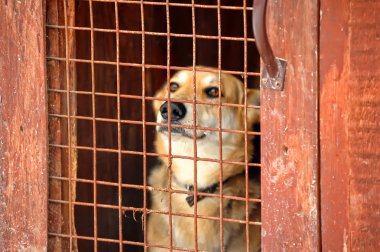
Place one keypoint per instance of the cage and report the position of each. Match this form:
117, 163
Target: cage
114, 57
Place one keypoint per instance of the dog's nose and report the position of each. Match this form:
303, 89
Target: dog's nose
178, 111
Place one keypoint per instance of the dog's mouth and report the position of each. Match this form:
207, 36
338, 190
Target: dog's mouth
180, 131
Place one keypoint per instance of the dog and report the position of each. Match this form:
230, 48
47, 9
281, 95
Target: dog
208, 90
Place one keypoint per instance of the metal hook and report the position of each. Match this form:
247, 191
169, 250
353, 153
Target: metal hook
274, 69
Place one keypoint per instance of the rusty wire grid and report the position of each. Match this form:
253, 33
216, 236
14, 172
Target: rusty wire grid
66, 121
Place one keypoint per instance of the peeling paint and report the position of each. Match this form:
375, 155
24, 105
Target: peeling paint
290, 132
279, 173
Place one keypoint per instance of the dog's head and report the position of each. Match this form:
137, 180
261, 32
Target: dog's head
208, 117
207, 88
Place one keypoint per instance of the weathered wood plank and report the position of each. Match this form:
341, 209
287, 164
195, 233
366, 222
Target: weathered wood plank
23, 127
56, 78
350, 136
364, 124
334, 69
290, 132
62, 161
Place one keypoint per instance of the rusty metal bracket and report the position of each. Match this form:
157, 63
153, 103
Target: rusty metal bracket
273, 74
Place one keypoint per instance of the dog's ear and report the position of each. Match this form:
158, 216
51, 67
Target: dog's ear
253, 98
161, 93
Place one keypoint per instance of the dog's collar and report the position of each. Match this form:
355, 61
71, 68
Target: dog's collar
210, 189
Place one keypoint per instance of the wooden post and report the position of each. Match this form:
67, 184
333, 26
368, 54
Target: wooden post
349, 125
289, 123
23, 127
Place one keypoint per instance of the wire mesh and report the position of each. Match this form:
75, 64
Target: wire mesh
94, 163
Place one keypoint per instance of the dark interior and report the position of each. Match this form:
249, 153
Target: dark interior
131, 109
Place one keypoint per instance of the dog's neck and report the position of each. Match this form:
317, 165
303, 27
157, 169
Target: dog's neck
208, 166
210, 189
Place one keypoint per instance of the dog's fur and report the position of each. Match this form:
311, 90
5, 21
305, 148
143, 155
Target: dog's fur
208, 173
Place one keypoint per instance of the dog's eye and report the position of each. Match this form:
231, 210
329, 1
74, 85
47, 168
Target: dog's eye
212, 92
173, 86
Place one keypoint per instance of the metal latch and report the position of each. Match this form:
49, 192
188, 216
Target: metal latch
274, 69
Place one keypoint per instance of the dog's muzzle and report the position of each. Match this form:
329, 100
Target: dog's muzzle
177, 113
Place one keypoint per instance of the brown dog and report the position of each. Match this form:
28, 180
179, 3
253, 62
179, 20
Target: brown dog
208, 173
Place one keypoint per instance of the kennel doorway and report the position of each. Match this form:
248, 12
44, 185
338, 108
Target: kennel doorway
300, 148
115, 56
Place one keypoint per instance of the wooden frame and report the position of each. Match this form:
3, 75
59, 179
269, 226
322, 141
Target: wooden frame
349, 125
289, 125
320, 136
23, 127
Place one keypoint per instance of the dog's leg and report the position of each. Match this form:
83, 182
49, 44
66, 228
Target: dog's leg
158, 223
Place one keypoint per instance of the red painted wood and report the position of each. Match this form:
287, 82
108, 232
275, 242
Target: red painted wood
349, 123
334, 69
289, 126
23, 127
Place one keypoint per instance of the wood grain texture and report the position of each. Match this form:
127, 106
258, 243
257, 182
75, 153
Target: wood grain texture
56, 79
334, 70
349, 123
61, 159
23, 127
290, 132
